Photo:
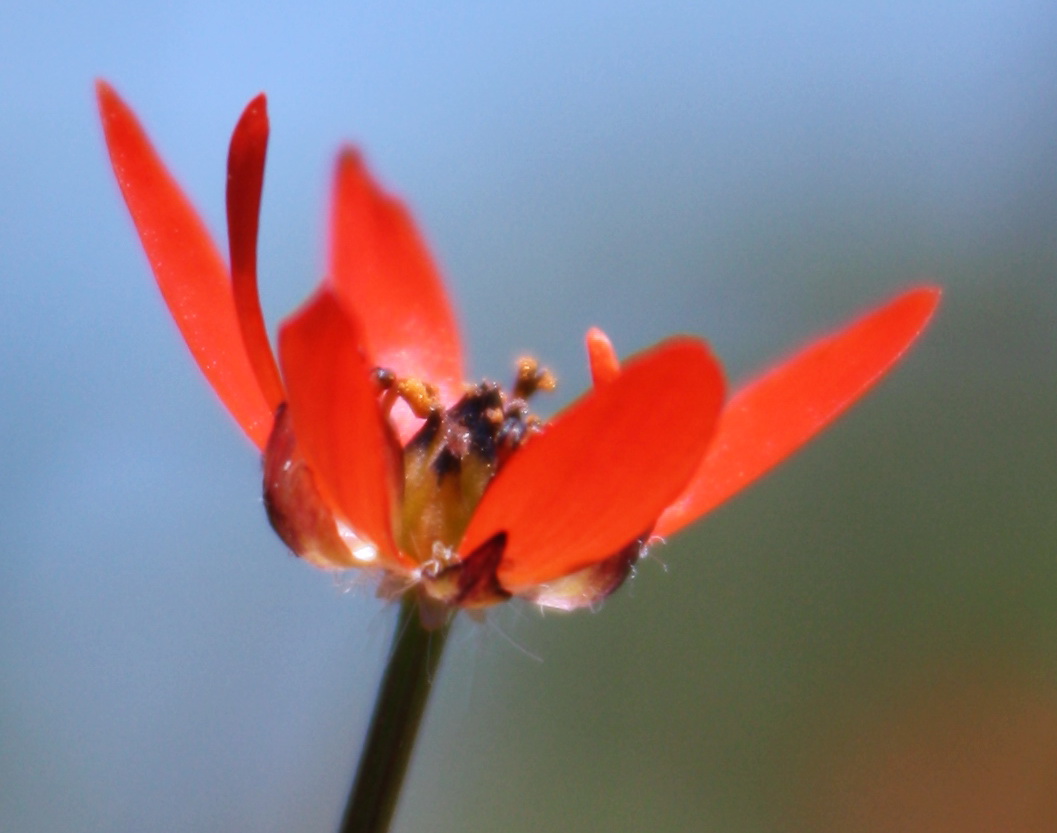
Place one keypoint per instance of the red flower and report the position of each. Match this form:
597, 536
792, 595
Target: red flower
376, 455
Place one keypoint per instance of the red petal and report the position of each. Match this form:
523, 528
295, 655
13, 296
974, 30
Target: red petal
601, 474
773, 416
190, 272
381, 268
337, 421
605, 366
249, 144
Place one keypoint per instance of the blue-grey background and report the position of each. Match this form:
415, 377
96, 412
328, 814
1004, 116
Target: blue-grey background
864, 642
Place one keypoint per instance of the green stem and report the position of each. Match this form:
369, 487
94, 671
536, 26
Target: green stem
402, 697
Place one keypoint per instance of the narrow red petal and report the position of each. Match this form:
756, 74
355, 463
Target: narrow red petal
599, 476
249, 145
605, 366
187, 266
337, 421
382, 269
773, 416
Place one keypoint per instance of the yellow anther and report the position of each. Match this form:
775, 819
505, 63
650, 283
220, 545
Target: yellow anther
531, 378
421, 397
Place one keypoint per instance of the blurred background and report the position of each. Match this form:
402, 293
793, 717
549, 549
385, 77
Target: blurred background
865, 641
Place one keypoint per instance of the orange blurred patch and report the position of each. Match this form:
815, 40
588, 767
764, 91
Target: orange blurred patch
962, 758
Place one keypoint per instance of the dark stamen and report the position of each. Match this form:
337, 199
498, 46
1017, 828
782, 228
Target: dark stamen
383, 377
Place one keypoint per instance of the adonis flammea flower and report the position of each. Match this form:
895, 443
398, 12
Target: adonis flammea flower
378, 456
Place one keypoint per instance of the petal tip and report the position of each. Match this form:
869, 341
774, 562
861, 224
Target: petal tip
107, 100
915, 308
252, 127
256, 112
927, 295
601, 356
350, 158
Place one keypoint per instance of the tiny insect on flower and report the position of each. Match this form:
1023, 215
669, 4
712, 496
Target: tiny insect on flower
376, 455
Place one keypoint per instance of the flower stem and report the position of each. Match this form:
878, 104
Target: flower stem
402, 696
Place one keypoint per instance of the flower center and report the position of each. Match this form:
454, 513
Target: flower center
447, 466
457, 451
